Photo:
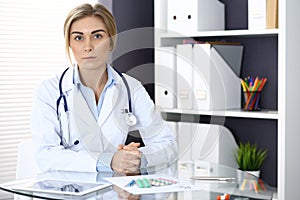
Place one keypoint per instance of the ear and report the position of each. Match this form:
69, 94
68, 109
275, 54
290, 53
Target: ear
111, 46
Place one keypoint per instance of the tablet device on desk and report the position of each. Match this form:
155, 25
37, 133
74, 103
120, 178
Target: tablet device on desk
63, 187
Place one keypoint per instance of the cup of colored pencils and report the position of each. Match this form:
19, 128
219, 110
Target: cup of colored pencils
252, 88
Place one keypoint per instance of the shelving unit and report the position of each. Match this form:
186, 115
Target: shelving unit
267, 32
263, 114
272, 62
280, 123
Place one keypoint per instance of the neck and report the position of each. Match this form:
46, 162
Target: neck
94, 79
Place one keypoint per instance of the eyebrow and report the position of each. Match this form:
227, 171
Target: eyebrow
95, 31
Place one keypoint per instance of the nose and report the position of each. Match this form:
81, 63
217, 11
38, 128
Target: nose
88, 47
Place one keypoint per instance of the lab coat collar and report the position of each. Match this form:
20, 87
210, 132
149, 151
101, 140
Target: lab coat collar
116, 76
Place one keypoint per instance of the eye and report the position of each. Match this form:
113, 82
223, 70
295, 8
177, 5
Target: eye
97, 36
78, 38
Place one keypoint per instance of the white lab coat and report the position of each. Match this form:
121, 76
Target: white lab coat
160, 144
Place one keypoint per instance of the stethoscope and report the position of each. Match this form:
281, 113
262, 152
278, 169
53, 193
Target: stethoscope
130, 118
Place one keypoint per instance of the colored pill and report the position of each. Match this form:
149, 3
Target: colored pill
139, 183
146, 183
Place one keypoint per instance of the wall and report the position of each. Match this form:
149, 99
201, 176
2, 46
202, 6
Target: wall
131, 15
291, 156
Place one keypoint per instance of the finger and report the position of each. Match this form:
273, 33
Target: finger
133, 154
131, 161
117, 163
135, 163
130, 148
119, 171
120, 146
132, 171
126, 160
134, 144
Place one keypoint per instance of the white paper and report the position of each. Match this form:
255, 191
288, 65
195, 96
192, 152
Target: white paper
178, 186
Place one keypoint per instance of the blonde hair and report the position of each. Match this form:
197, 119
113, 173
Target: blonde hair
86, 10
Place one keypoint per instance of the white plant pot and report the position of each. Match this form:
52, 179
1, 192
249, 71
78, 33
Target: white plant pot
248, 179
254, 173
241, 175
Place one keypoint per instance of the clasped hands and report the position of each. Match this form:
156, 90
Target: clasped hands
127, 159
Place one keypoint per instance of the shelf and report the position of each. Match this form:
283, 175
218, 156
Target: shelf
264, 114
266, 32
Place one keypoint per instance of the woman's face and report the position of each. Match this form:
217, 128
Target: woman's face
90, 42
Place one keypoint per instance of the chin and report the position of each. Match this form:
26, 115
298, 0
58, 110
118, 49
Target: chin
92, 65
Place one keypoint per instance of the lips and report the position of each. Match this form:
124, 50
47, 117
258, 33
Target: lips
88, 58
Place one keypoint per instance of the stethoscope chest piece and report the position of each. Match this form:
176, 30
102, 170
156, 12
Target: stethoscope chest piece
130, 119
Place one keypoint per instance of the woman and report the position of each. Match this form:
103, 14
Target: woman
81, 118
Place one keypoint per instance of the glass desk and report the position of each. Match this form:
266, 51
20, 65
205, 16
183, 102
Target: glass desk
237, 185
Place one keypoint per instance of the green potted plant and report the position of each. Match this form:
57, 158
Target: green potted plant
250, 158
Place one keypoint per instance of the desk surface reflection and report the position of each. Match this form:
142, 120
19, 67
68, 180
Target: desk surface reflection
213, 181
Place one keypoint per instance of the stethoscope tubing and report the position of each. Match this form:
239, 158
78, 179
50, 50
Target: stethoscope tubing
127, 89
130, 118
61, 94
